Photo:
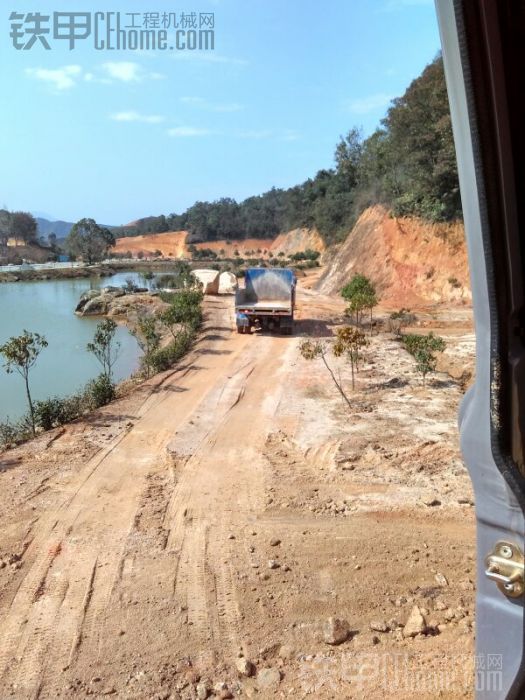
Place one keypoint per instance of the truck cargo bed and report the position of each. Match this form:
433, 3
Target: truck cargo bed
267, 300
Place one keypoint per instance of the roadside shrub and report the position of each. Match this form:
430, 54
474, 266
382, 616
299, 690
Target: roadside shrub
100, 391
74, 406
50, 413
12, 434
399, 319
166, 357
167, 281
8, 434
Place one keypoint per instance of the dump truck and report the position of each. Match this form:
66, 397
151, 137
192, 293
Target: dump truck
266, 301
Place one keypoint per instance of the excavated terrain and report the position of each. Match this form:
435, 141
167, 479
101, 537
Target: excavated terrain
232, 529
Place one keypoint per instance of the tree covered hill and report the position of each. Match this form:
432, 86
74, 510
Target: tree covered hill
59, 228
408, 165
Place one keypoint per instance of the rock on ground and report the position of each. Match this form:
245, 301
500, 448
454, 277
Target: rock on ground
268, 678
245, 667
415, 624
336, 631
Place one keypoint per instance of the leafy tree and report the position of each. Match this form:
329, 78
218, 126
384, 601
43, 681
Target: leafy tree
312, 349
104, 347
5, 226
360, 294
89, 241
23, 226
348, 342
423, 347
348, 154
148, 338
21, 353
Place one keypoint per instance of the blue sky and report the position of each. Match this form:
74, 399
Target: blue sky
116, 135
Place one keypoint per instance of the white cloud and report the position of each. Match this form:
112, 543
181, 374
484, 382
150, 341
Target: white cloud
132, 116
185, 131
364, 105
128, 72
201, 103
59, 78
66, 77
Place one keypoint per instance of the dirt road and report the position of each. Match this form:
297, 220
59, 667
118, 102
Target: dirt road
227, 510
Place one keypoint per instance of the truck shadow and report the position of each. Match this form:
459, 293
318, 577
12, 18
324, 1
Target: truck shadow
314, 327
305, 327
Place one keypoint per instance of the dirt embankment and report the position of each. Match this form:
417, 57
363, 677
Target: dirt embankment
30, 275
174, 244
410, 261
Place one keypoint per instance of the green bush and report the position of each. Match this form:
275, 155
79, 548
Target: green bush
100, 391
423, 347
12, 434
168, 281
8, 434
166, 357
50, 413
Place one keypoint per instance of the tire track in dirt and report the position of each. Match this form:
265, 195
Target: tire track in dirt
219, 491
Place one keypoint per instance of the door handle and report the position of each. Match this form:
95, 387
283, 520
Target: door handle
505, 566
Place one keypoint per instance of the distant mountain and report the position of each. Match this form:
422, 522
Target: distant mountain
43, 215
60, 228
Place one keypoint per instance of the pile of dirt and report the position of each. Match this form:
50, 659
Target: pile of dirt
410, 261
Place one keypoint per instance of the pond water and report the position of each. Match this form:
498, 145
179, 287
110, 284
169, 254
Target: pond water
47, 307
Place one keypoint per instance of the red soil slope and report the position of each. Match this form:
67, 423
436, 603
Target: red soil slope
174, 244
409, 260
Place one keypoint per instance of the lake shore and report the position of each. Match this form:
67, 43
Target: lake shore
100, 270
70, 273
